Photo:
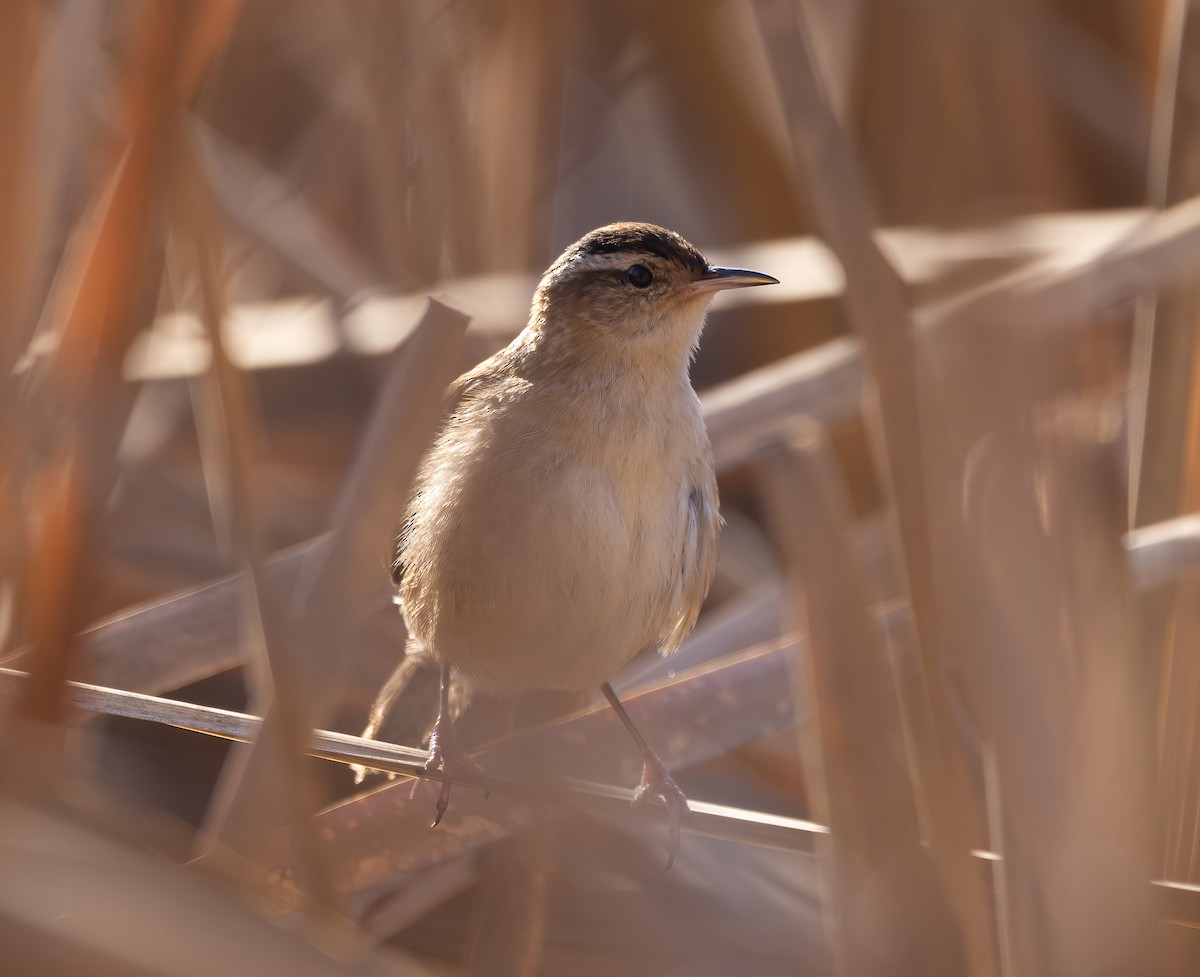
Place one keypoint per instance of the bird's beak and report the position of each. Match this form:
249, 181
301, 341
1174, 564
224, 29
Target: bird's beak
716, 279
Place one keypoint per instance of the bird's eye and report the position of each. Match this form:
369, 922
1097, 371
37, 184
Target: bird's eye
639, 276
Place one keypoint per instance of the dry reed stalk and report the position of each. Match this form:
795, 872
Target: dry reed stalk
333, 587
370, 63
101, 297
945, 128
103, 294
824, 383
433, 135
1164, 552
1166, 455
1176, 901
747, 621
18, 251
1084, 79
523, 803
231, 440
180, 639
1165, 478
510, 925
1038, 613
877, 307
518, 97
701, 63
18, 179
261, 204
850, 742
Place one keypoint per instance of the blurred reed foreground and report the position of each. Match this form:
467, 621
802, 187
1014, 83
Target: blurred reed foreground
939, 716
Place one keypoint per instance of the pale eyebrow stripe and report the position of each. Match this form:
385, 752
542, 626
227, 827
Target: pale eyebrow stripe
612, 261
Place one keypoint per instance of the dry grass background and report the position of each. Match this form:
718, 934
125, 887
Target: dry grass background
939, 716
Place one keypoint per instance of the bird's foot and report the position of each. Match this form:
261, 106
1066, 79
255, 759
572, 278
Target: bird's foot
447, 755
657, 787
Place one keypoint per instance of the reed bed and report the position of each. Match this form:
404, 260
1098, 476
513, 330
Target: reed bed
938, 716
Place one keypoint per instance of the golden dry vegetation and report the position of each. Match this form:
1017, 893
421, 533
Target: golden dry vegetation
939, 715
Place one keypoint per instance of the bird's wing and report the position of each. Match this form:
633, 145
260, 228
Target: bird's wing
698, 557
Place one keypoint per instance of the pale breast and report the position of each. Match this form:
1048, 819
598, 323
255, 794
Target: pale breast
546, 554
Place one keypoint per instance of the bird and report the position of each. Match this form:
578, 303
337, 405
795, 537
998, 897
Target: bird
565, 517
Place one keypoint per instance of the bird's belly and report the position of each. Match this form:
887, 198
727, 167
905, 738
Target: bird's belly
558, 587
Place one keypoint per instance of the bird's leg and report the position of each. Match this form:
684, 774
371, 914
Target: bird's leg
444, 749
391, 691
656, 780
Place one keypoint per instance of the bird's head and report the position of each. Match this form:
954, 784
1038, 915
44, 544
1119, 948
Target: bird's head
631, 287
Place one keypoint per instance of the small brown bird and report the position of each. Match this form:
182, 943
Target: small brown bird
565, 517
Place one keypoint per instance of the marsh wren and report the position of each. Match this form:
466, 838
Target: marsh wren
565, 517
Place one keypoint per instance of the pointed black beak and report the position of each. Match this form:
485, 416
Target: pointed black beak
716, 279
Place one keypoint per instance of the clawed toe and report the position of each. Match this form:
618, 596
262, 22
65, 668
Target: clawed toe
445, 754
454, 763
657, 787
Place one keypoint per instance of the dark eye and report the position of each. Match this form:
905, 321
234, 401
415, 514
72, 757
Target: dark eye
639, 276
